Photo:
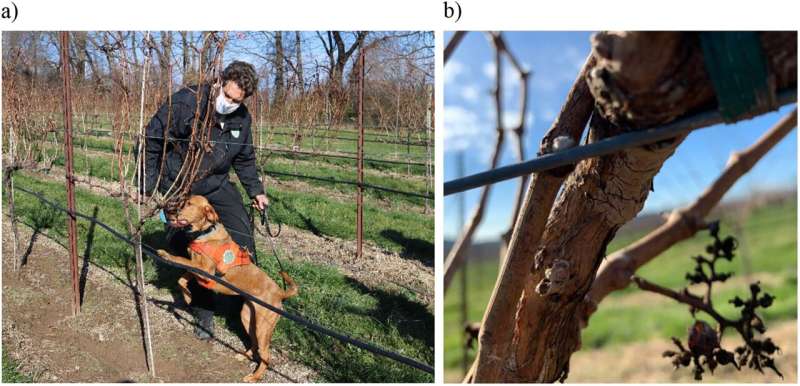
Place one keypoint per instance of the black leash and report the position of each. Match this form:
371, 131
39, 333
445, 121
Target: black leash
150, 251
265, 223
264, 216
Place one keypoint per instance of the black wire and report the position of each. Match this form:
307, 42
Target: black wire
283, 133
387, 142
277, 150
295, 318
345, 182
599, 148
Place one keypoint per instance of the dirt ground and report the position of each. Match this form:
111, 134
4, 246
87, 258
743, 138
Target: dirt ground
104, 342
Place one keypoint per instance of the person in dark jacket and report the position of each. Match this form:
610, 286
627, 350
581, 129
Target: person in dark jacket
231, 145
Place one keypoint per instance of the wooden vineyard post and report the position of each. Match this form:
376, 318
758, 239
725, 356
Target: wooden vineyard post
71, 224
360, 195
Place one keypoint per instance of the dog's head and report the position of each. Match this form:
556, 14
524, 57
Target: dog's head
197, 213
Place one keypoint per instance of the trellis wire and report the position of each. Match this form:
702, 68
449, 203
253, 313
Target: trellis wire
325, 179
599, 148
279, 150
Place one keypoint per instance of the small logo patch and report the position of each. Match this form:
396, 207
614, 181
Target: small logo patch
227, 257
235, 133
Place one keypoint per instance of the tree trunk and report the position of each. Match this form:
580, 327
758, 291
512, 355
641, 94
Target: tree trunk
79, 46
166, 56
280, 82
133, 50
185, 63
298, 53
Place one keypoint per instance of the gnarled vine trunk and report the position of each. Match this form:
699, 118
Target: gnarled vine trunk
639, 79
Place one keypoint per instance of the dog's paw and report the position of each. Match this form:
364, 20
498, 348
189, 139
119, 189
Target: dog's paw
250, 378
164, 254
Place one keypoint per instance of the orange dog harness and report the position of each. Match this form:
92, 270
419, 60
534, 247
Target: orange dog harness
225, 255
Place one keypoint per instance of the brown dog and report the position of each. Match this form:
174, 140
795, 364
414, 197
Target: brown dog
234, 264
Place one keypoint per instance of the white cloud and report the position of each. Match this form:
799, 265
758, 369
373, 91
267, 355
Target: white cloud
510, 77
470, 93
511, 80
488, 70
465, 130
510, 119
453, 70
530, 118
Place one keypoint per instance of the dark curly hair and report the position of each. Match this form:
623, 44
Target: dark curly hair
244, 74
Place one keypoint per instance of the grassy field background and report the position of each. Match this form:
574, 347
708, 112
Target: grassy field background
767, 252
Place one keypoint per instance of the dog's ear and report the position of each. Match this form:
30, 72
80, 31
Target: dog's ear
211, 214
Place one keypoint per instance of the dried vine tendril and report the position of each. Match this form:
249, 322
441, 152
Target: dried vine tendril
703, 350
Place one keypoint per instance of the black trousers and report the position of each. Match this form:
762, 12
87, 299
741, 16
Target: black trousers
227, 202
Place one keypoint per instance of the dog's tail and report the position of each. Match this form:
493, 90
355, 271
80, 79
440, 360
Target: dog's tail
291, 290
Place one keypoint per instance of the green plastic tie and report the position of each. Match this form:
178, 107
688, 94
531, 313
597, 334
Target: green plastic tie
738, 70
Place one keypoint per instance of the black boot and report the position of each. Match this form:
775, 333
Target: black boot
204, 323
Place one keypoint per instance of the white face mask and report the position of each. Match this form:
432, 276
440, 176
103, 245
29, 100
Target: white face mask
223, 106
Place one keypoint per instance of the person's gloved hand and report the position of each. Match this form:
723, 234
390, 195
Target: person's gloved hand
261, 201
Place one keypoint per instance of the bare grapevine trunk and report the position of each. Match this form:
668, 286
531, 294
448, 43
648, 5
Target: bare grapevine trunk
640, 79
599, 197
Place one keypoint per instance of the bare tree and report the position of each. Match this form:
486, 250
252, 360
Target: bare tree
185, 54
298, 65
279, 66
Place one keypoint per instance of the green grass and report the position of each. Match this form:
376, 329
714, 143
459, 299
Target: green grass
349, 145
99, 141
767, 245
393, 319
409, 233
416, 186
11, 373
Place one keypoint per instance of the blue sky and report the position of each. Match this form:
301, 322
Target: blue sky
554, 59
